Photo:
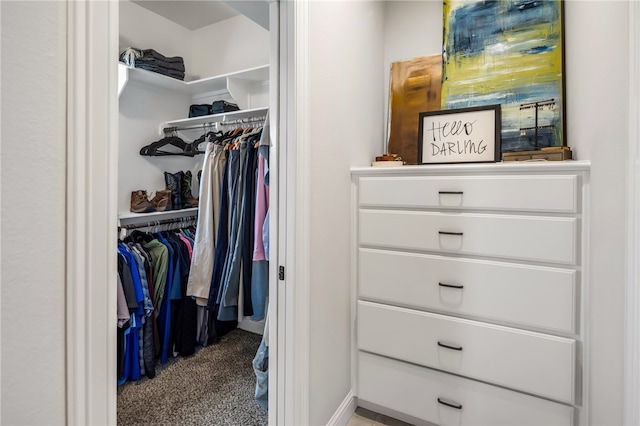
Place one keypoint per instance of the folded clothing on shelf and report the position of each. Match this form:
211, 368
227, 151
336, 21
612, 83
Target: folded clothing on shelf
152, 60
171, 73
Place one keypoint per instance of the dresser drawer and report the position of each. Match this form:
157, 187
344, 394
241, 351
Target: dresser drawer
549, 193
533, 296
531, 238
416, 391
531, 362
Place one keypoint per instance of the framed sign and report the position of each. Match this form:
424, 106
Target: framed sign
464, 135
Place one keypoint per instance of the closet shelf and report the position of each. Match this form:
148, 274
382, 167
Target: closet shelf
216, 118
128, 218
211, 84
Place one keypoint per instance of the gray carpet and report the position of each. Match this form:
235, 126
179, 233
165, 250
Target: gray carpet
213, 387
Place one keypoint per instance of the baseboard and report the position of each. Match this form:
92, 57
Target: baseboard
391, 417
344, 412
256, 327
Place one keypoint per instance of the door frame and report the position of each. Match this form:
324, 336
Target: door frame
296, 210
91, 188
632, 288
91, 193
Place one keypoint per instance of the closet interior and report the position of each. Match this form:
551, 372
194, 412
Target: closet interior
193, 185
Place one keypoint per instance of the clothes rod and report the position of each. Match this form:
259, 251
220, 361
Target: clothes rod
213, 123
151, 223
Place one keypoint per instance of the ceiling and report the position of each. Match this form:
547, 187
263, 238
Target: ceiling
190, 14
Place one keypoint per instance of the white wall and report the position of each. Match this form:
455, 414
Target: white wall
143, 29
231, 45
141, 112
347, 127
597, 77
411, 29
33, 212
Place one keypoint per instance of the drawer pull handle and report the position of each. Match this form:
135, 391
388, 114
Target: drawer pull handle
450, 285
450, 404
449, 233
455, 348
450, 192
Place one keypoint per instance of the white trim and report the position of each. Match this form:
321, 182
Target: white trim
276, 371
256, 327
355, 271
344, 412
0, 227
584, 350
295, 36
279, 160
632, 297
91, 213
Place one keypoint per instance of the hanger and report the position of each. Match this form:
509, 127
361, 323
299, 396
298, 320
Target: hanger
138, 237
250, 133
207, 136
153, 149
257, 138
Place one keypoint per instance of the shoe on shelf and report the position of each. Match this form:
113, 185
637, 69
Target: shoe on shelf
187, 197
140, 202
162, 200
174, 184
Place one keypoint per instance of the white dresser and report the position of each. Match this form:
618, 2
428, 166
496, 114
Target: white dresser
470, 292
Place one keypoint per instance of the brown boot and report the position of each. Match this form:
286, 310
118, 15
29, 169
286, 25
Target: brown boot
140, 202
162, 200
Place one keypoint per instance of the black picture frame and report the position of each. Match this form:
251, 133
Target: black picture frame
462, 135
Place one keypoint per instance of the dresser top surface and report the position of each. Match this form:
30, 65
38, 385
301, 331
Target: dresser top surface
467, 168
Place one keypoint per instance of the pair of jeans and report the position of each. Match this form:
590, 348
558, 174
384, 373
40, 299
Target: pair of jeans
248, 224
228, 292
152, 62
259, 288
160, 70
261, 370
240, 255
130, 54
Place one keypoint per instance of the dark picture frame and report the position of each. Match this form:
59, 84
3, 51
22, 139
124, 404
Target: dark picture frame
462, 135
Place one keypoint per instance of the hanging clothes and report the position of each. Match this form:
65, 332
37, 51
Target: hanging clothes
261, 370
248, 219
200, 275
152, 272
181, 289
218, 328
228, 294
260, 277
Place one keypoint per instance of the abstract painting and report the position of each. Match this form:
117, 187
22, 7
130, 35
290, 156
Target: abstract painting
508, 52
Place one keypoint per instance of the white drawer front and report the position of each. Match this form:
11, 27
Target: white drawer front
532, 362
415, 391
518, 193
533, 238
526, 295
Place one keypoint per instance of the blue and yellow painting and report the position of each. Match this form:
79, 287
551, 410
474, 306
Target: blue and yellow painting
507, 52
